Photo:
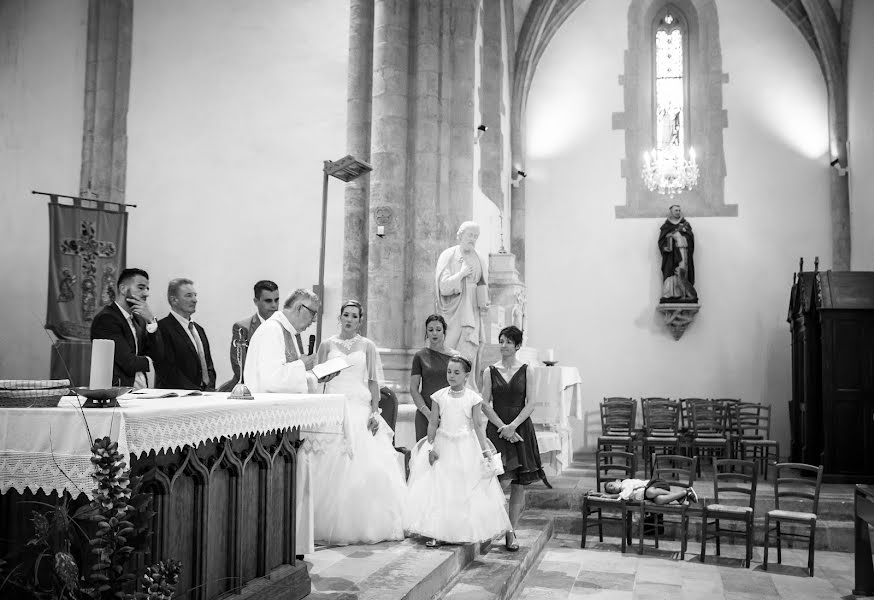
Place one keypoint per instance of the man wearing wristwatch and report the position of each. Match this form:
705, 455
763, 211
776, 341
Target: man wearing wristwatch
129, 323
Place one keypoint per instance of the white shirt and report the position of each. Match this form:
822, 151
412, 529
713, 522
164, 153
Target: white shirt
140, 379
266, 369
184, 322
633, 489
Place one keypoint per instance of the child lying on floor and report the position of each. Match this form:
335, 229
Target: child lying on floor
657, 490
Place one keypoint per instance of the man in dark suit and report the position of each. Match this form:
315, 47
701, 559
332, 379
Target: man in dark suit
267, 302
129, 323
187, 363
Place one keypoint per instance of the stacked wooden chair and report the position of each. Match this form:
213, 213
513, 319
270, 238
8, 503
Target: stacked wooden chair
618, 418
752, 424
709, 431
661, 428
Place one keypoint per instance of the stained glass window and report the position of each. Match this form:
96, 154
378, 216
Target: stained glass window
670, 87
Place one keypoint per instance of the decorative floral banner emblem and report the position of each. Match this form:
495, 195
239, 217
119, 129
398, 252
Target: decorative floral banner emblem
86, 254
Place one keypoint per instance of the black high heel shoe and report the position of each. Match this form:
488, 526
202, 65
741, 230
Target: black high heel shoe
432, 544
511, 546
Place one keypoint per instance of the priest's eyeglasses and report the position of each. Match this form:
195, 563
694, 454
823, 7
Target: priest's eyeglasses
312, 312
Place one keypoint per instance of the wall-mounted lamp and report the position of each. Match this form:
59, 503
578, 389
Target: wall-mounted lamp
842, 171
518, 177
482, 128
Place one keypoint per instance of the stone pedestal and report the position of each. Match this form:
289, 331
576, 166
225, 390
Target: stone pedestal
678, 317
507, 295
396, 364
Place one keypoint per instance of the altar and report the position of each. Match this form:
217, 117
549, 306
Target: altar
557, 395
231, 496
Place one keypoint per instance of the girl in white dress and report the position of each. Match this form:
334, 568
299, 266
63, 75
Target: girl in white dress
453, 496
359, 485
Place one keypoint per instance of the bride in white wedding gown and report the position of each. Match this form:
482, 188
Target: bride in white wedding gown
359, 485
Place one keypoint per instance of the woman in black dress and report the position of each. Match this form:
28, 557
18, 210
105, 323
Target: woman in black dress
428, 373
510, 428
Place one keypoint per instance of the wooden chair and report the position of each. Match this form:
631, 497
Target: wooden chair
731, 476
661, 422
801, 483
618, 417
729, 405
753, 426
388, 405
708, 429
678, 471
609, 465
686, 413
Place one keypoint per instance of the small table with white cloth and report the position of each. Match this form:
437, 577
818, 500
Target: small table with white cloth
557, 394
231, 497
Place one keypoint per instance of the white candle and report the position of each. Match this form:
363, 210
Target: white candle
550, 355
102, 356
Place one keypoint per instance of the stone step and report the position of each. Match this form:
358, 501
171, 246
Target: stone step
497, 574
387, 571
836, 536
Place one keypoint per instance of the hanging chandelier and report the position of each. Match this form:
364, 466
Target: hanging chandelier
667, 171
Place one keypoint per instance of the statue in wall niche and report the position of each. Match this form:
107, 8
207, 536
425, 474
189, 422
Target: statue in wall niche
461, 283
677, 247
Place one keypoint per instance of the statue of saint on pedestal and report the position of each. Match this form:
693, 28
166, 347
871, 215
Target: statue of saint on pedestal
461, 279
677, 246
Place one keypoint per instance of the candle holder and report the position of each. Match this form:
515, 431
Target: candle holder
240, 391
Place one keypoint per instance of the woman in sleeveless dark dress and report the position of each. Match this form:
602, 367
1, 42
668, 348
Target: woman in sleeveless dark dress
510, 428
428, 373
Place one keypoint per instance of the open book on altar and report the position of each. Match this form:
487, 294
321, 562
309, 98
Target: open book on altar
156, 393
331, 366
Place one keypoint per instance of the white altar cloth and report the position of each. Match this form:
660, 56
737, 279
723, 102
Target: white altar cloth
49, 449
557, 394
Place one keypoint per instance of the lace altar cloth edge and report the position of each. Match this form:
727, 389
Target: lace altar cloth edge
48, 449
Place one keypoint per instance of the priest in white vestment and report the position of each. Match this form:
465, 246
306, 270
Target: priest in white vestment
278, 362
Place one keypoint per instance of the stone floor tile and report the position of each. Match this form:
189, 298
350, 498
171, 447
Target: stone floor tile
660, 572
463, 591
748, 582
594, 580
593, 594
567, 567
540, 593
554, 580
656, 591
803, 588
609, 562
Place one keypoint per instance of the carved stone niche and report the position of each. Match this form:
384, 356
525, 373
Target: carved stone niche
678, 316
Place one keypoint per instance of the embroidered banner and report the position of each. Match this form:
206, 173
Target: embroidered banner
86, 254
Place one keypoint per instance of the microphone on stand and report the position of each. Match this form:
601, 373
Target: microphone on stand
312, 343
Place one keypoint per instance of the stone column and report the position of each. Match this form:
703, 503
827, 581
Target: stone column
428, 182
107, 89
828, 38
462, 128
387, 290
491, 100
358, 114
